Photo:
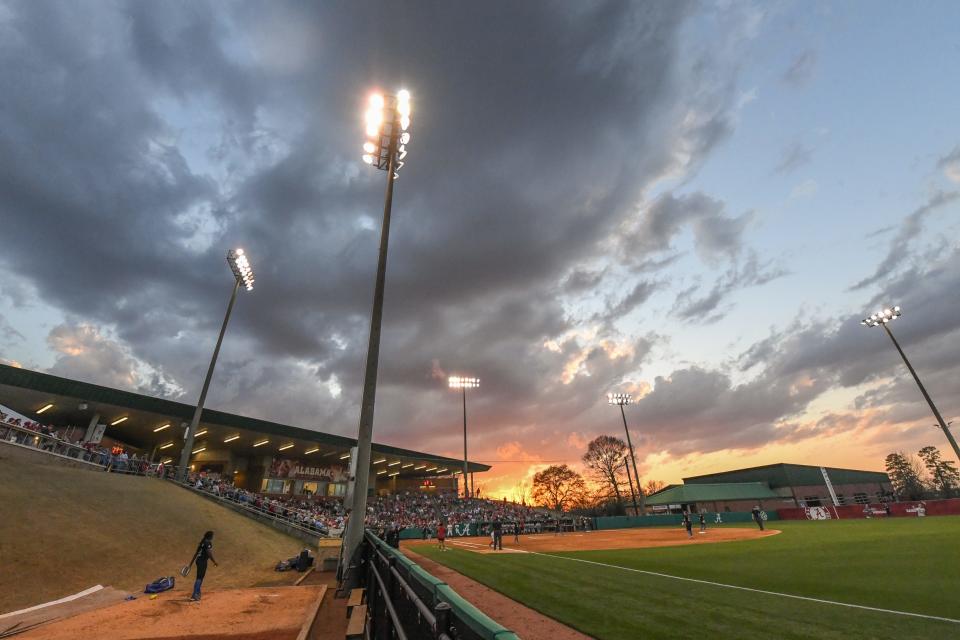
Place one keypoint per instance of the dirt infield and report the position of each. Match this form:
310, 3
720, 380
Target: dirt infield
639, 538
274, 613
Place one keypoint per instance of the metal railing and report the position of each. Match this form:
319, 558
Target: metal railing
406, 602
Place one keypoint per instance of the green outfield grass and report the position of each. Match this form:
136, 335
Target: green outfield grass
903, 564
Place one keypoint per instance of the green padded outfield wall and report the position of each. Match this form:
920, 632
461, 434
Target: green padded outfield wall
667, 520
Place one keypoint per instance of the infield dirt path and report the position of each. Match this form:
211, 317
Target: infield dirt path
274, 613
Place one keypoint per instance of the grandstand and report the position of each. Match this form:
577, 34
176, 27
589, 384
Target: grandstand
257, 455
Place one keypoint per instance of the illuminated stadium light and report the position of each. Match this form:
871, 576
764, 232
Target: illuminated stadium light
261, 443
619, 398
241, 268
442, 470
431, 469
166, 446
309, 451
463, 383
406, 466
393, 464
119, 420
161, 428
386, 121
231, 438
166, 461
380, 473
202, 432
45, 407
380, 461
285, 447
883, 318
196, 451
395, 473
423, 466
242, 275
345, 457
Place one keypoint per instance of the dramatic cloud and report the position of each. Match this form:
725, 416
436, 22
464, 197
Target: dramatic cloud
801, 69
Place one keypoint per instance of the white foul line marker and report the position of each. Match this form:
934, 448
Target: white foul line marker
769, 593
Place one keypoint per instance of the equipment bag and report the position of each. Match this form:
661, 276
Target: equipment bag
160, 585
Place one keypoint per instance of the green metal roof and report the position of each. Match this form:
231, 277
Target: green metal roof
85, 391
689, 493
786, 475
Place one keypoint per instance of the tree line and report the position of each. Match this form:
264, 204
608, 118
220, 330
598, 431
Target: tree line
923, 476
606, 488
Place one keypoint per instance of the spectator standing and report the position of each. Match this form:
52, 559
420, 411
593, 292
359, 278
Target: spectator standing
497, 535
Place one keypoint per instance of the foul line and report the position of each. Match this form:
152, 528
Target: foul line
733, 586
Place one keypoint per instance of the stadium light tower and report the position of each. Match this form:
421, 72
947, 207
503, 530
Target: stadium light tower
462, 383
242, 275
623, 399
633, 496
883, 318
387, 120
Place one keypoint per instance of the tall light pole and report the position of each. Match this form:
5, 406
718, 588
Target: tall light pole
623, 399
387, 121
462, 383
882, 319
633, 496
243, 275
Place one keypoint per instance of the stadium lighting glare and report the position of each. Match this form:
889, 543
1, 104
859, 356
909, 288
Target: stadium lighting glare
386, 117
166, 446
166, 461
431, 469
119, 420
345, 457
231, 438
883, 318
161, 428
242, 275
393, 464
621, 400
200, 433
261, 443
395, 473
45, 407
241, 268
380, 473
196, 451
442, 470
407, 466
309, 451
463, 383
285, 447
380, 461
423, 466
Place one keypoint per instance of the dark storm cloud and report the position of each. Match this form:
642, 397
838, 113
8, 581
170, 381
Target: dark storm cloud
138, 141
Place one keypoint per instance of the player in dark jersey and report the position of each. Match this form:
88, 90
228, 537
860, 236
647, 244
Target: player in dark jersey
204, 553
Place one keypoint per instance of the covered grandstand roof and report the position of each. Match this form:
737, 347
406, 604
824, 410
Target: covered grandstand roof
784, 474
75, 403
690, 493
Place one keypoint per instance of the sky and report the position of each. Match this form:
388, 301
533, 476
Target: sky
693, 202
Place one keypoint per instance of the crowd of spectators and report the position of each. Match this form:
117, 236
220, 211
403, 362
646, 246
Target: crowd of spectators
424, 511
68, 442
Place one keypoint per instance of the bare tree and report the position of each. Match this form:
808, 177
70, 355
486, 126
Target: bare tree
653, 486
558, 487
604, 459
520, 491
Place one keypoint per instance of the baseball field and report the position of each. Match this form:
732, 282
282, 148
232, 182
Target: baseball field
878, 578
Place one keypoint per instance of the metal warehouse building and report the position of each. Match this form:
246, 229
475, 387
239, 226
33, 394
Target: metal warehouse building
773, 486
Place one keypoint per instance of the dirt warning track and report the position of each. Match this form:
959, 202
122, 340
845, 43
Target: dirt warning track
639, 538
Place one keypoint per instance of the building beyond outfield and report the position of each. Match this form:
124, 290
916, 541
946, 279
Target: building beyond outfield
773, 486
